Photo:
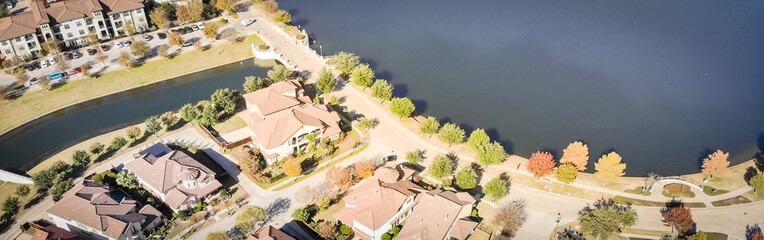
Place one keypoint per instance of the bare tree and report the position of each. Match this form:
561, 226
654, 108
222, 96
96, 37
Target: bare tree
511, 217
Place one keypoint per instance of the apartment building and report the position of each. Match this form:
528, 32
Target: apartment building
70, 22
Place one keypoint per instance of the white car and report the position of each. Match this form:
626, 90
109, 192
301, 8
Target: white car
44, 63
200, 25
52, 61
119, 45
126, 43
247, 21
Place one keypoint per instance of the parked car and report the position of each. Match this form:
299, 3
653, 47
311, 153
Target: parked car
44, 63
52, 61
195, 27
78, 70
92, 51
173, 30
9, 4
32, 66
188, 43
119, 44
247, 21
55, 75
161, 35
105, 47
181, 31
76, 54
147, 37
32, 81
127, 43
200, 25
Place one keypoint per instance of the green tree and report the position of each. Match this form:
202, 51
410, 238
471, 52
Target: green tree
170, 9
466, 178
280, 73
43, 180
605, 218
415, 156
127, 180
153, 125
346, 61
252, 83
282, 17
211, 30
168, 119
566, 172
382, 90
334, 100
140, 49
225, 5
403, 107
208, 116
11, 203
478, 138
700, 235
429, 126
22, 190
117, 143
492, 153
96, 148
133, 132
249, 217
362, 75
216, 236
442, 167
326, 82
365, 124
226, 100
60, 188
451, 134
301, 214
189, 113
4, 12
160, 17
80, 158
496, 188
757, 182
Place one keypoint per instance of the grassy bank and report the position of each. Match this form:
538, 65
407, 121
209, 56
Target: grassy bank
37, 103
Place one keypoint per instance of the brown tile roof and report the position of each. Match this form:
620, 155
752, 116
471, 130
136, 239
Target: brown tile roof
115, 6
434, 215
269, 233
89, 203
277, 128
17, 25
166, 172
272, 99
375, 201
51, 232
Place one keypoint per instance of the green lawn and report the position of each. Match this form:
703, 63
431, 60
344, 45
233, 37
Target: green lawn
231, 124
639, 202
731, 201
646, 232
710, 191
34, 104
638, 191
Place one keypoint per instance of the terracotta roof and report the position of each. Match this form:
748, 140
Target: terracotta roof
269, 233
374, 202
51, 232
387, 174
272, 99
166, 172
17, 25
276, 129
115, 6
89, 203
463, 228
435, 214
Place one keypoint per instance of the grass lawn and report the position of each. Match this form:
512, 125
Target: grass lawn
300, 178
677, 190
231, 124
265, 185
731, 201
647, 232
8, 189
708, 190
639, 202
638, 191
753, 196
34, 104
716, 236
329, 213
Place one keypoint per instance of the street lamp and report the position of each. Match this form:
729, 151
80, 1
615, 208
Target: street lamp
322, 51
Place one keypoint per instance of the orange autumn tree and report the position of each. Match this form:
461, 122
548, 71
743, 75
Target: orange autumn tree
678, 218
609, 167
292, 168
338, 177
363, 169
716, 163
540, 164
577, 153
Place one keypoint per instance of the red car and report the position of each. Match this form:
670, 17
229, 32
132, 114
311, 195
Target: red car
79, 69
105, 47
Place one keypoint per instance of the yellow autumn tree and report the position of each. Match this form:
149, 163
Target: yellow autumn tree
577, 153
609, 167
716, 163
292, 168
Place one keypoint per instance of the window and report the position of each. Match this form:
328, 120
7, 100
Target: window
82, 32
126, 14
139, 10
140, 19
88, 21
4, 43
69, 35
66, 26
115, 16
21, 47
7, 51
79, 24
18, 39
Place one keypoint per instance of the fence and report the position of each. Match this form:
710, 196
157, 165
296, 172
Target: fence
221, 144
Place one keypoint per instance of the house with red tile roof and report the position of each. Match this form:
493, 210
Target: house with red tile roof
91, 210
269, 233
174, 177
280, 116
440, 214
380, 202
51, 232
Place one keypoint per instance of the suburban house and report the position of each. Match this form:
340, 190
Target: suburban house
52, 232
280, 116
269, 233
172, 176
440, 214
381, 202
70, 22
91, 210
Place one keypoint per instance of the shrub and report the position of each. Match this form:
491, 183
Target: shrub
223, 20
345, 229
301, 214
386, 236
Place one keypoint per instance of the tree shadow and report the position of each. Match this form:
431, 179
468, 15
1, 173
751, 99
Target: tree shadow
108, 153
496, 136
421, 106
750, 172
400, 89
140, 140
276, 208
37, 199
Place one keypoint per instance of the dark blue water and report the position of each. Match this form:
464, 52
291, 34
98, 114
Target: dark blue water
660, 82
24, 147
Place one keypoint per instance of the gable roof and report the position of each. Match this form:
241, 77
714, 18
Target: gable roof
115, 6
276, 129
165, 172
374, 202
17, 25
435, 214
89, 203
269, 233
272, 99
51, 232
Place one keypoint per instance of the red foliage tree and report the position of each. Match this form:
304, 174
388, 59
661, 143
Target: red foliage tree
679, 218
363, 169
338, 177
540, 164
